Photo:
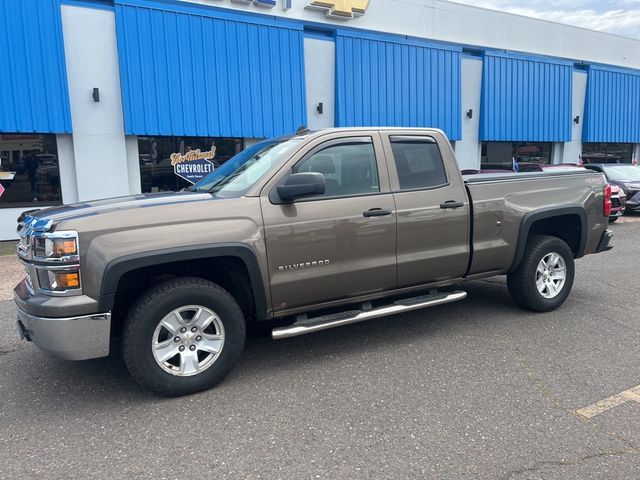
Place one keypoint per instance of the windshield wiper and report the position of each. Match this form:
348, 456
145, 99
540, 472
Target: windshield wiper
199, 189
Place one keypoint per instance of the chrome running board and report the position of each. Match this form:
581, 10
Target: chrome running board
316, 324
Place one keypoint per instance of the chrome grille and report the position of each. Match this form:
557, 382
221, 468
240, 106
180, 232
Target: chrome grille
29, 225
24, 248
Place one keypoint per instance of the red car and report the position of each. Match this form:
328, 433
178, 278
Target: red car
618, 203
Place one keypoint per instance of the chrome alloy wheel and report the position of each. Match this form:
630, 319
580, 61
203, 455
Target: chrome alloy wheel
188, 340
551, 275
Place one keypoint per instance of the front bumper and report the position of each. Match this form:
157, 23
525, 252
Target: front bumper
605, 241
70, 338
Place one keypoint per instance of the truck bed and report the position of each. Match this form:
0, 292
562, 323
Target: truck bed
503, 204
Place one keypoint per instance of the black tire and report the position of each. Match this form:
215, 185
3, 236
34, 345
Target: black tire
613, 219
522, 282
153, 306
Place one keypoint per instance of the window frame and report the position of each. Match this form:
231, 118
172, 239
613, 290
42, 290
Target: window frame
408, 138
360, 139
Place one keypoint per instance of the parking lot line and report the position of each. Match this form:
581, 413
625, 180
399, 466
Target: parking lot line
629, 219
630, 395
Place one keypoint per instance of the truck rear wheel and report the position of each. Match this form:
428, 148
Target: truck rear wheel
183, 336
543, 280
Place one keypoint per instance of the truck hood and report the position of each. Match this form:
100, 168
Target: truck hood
119, 204
137, 224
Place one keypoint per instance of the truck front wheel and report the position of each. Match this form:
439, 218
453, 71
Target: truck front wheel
543, 280
183, 336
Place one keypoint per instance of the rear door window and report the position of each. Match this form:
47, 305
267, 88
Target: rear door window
418, 162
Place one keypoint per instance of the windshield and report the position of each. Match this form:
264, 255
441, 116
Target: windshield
623, 173
241, 172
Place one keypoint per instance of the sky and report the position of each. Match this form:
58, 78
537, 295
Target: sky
615, 16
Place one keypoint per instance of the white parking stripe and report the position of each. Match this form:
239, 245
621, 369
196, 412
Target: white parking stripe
629, 219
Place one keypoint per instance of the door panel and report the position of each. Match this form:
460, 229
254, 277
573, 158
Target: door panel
325, 248
319, 69
432, 242
433, 239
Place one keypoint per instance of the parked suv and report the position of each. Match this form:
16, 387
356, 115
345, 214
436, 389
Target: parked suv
624, 175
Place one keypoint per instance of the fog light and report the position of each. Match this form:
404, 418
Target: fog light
58, 280
68, 280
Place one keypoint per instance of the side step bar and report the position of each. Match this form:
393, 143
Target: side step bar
316, 324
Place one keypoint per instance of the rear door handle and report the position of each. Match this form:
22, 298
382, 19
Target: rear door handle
376, 212
451, 204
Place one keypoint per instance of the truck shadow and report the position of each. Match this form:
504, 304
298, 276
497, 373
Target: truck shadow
78, 385
487, 303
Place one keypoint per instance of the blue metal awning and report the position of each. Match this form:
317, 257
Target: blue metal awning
34, 97
525, 98
388, 80
612, 105
197, 71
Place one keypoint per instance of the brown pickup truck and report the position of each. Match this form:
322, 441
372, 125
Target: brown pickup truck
297, 234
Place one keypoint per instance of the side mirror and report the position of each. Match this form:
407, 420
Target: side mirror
301, 185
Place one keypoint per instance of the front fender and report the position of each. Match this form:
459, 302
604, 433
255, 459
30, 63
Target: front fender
116, 268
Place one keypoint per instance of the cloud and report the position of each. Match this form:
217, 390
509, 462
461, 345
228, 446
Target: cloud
621, 17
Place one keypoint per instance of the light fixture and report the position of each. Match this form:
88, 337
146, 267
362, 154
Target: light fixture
470, 113
96, 94
576, 119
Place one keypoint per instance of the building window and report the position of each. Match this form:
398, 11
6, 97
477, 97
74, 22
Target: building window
157, 174
29, 170
607, 152
529, 155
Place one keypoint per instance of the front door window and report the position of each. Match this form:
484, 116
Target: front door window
348, 169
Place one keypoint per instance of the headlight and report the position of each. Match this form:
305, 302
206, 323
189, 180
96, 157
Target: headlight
58, 280
56, 245
56, 259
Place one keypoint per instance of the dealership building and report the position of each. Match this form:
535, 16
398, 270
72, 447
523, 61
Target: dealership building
96, 96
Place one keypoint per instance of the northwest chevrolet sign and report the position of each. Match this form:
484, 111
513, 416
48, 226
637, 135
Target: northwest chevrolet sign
194, 165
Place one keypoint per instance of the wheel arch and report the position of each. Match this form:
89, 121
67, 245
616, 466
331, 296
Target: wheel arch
567, 223
224, 256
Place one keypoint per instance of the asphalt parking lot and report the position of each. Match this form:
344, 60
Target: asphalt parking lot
472, 390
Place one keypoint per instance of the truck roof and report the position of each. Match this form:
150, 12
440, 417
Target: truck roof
325, 131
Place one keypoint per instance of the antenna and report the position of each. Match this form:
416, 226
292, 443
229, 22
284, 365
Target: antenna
302, 130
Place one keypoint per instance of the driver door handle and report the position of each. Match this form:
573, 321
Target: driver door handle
376, 212
451, 204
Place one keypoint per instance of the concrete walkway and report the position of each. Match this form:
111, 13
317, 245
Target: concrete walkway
11, 273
